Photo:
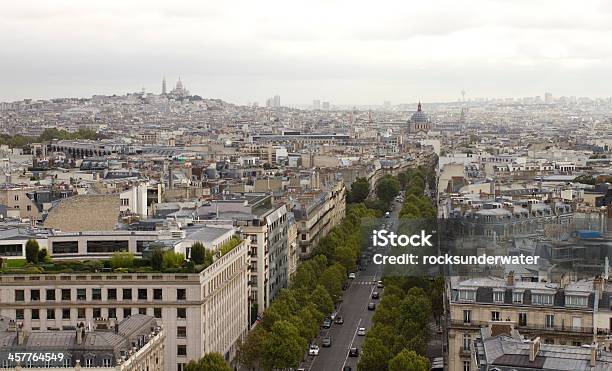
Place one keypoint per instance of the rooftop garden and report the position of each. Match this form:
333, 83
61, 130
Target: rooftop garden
159, 261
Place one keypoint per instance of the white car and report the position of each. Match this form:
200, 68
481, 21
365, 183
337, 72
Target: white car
313, 350
361, 331
352, 275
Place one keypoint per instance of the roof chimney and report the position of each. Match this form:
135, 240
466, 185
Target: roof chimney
116, 327
21, 334
510, 279
593, 354
534, 349
79, 333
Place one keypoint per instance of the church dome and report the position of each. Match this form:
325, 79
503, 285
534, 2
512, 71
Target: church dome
419, 116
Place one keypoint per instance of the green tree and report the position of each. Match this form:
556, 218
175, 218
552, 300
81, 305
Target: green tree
173, 259
375, 355
210, 362
32, 249
283, 347
122, 259
360, 189
198, 251
408, 360
346, 256
157, 259
332, 279
250, 350
322, 300
43, 256
387, 188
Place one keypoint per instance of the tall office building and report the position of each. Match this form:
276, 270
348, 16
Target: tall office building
316, 104
325, 106
548, 98
164, 86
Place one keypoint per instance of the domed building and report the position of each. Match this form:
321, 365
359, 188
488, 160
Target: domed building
419, 122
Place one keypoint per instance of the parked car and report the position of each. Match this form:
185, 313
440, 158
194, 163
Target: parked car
327, 323
326, 342
375, 295
361, 331
313, 350
347, 368
354, 352
371, 306
352, 275
380, 285
345, 286
333, 315
339, 320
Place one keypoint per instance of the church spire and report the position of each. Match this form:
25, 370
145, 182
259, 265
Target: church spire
419, 107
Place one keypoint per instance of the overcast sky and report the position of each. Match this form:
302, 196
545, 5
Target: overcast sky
347, 52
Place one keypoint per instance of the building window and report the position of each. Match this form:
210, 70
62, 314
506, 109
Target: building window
81, 294
11, 250
468, 295
550, 320
495, 316
65, 313
467, 340
111, 294
181, 294
142, 294
576, 343
50, 295
180, 367
181, 313
542, 299
576, 301
181, 350
19, 314
106, 246
106, 362
549, 341
127, 294
142, 311
498, 296
66, 295
50, 313
467, 316
181, 332
517, 297
65, 247
89, 362
35, 314
157, 312
522, 319
96, 294
112, 313
67, 362
466, 365
80, 313
157, 294
35, 295
19, 295
97, 313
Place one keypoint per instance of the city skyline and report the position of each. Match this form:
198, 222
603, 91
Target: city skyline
395, 51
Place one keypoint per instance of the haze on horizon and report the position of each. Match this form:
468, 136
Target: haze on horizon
345, 52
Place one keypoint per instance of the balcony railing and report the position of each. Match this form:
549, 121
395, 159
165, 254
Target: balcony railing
527, 327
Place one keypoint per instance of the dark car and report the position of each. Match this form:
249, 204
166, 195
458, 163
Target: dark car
345, 286
347, 368
371, 306
375, 295
327, 323
354, 352
338, 320
326, 342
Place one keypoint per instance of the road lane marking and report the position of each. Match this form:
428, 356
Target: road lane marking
351, 345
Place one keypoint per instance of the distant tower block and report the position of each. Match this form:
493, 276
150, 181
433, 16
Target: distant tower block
463, 95
164, 86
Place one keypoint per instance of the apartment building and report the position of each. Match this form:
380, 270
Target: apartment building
562, 314
317, 213
136, 343
200, 312
264, 225
17, 202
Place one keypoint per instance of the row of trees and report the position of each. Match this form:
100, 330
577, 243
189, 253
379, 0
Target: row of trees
17, 141
416, 203
295, 316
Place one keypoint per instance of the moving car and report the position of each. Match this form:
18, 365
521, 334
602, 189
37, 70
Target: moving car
313, 350
352, 275
326, 342
387, 215
338, 320
354, 352
380, 285
347, 368
327, 323
371, 306
345, 286
375, 295
361, 331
